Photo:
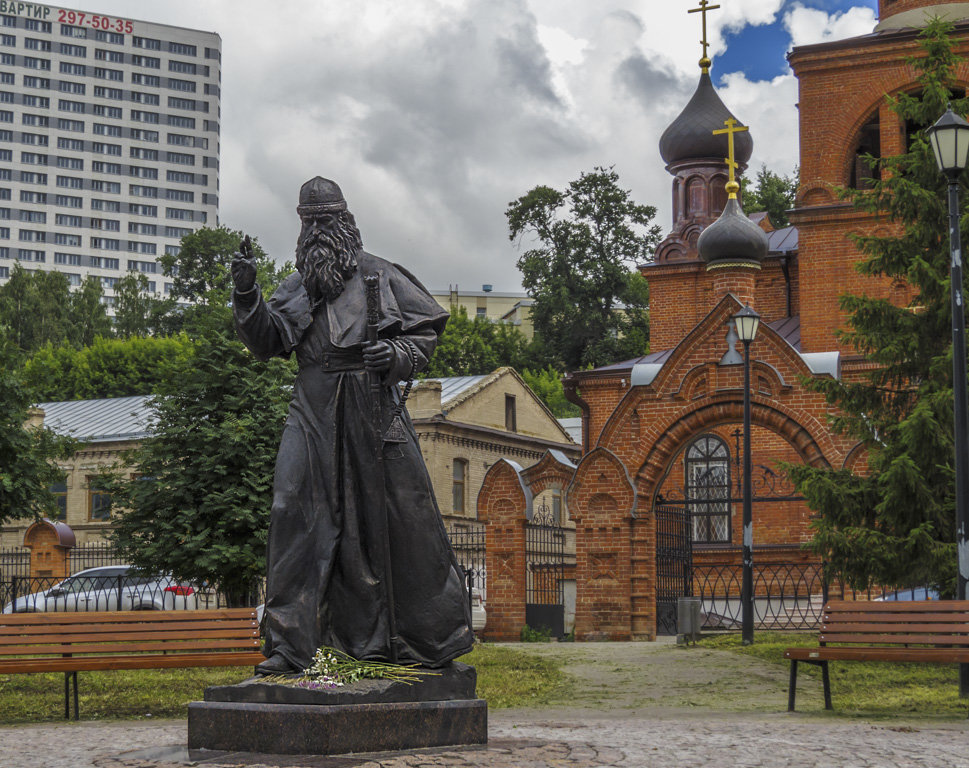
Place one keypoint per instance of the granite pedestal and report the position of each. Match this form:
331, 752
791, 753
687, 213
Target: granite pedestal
365, 716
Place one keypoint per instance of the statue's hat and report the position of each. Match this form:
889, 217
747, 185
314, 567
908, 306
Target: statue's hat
319, 195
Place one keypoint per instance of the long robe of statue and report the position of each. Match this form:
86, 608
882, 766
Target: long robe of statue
326, 549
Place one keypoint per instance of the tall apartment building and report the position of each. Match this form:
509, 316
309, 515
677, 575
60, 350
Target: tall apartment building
109, 141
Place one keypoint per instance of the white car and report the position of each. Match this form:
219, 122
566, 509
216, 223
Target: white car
109, 588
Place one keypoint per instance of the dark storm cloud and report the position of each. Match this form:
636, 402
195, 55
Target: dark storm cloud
650, 86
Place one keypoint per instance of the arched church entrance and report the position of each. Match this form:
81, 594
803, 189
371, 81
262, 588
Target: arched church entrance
698, 506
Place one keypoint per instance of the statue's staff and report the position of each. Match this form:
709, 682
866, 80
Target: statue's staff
372, 283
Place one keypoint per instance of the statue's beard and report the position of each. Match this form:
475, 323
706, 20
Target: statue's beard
326, 259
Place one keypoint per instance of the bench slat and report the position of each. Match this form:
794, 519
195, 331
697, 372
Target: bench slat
894, 618
122, 617
954, 627
840, 653
117, 648
141, 626
898, 639
107, 637
143, 661
897, 606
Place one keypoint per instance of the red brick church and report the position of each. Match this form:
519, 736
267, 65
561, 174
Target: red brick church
661, 433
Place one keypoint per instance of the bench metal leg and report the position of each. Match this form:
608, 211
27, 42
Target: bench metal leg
824, 679
792, 687
68, 677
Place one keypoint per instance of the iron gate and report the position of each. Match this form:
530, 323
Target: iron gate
544, 572
701, 512
674, 563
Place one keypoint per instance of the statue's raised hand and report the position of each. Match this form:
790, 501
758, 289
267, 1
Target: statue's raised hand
244, 267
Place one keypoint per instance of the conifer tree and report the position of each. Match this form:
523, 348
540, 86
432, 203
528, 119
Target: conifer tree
891, 522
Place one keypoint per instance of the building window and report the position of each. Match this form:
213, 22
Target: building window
511, 414
60, 499
183, 49
99, 500
708, 489
459, 484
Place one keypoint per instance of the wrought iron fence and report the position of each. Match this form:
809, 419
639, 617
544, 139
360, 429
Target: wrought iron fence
93, 555
786, 595
468, 543
115, 592
14, 561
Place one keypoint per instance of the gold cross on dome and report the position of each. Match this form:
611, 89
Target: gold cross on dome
703, 9
732, 127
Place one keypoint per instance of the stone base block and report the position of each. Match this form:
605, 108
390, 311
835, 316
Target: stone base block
335, 729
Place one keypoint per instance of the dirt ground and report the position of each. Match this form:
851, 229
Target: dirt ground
661, 676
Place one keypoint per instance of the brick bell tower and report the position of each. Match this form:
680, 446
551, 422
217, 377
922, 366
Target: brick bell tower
684, 286
843, 116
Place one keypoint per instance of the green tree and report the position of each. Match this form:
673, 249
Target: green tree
474, 346
589, 308
89, 316
35, 308
39, 308
547, 384
27, 453
771, 193
200, 505
200, 271
894, 524
137, 312
107, 368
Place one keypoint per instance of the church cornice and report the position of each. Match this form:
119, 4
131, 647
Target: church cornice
871, 50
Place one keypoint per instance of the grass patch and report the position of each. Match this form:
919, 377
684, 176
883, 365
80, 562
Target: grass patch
506, 678
858, 687
511, 678
116, 694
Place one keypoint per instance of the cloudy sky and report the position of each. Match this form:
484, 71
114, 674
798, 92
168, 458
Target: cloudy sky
433, 115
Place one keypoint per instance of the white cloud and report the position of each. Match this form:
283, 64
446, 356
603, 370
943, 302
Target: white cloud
808, 26
434, 114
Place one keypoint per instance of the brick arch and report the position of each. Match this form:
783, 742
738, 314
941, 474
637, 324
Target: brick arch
814, 193
852, 134
503, 494
676, 434
856, 458
553, 470
600, 471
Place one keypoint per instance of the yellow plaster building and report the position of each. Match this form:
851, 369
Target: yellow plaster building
513, 308
106, 429
464, 425
467, 423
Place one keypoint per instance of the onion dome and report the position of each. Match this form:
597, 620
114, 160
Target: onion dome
733, 240
690, 136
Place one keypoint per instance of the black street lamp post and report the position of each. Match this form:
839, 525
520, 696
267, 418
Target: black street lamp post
747, 321
950, 141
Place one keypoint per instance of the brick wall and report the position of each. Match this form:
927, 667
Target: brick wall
502, 503
602, 504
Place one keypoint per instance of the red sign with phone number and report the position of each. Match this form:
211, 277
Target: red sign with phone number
124, 26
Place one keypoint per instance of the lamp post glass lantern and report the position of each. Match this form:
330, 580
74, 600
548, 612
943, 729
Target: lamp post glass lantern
949, 138
747, 321
950, 142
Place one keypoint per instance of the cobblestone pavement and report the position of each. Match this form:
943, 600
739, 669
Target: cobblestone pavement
530, 739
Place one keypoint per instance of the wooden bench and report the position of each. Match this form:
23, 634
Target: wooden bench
926, 631
74, 642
